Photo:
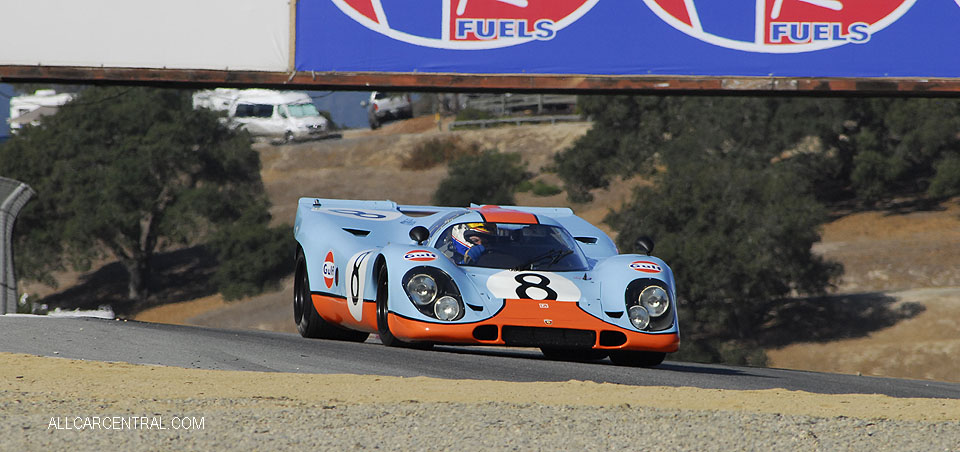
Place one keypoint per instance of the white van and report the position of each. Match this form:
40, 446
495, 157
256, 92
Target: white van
290, 115
28, 109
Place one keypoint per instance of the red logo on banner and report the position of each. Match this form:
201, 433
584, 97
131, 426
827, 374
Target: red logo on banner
782, 26
469, 24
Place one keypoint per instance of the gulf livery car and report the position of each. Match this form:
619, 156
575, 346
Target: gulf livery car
514, 276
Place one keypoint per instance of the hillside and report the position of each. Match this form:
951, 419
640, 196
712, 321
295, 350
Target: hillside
896, 311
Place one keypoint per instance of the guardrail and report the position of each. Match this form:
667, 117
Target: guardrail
483, 123
502, 104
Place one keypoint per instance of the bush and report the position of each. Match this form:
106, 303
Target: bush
490, 177
539, 188
436, 151
946, 183
252, 258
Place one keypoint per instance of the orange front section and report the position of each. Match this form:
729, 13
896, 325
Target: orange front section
335, 310
531, 313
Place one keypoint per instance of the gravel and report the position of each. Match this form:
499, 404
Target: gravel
45, 422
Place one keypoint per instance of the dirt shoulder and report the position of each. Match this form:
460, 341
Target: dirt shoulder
131, 385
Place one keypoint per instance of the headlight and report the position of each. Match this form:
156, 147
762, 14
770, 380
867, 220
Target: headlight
422, 289
639, 317
447, 308
655, 300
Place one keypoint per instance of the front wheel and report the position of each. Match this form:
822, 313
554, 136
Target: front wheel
636, 358
383, 327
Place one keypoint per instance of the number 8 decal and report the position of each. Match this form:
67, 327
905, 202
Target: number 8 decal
509, 284
543, 284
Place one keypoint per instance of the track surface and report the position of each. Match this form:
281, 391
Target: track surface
203, 348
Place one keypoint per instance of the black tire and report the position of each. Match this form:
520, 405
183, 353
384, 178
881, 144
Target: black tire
309, 323
569, 354
383, 327
374, 123
288, 137
636, 358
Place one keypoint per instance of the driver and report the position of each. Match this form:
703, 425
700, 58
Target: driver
473, 239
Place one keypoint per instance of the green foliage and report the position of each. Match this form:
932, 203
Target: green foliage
738, 237
126, 172
539, 188
873, 149
946, 183
436, 151
490, 177
252, 256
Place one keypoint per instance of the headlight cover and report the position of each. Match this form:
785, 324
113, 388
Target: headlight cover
652, 296
655, 300
422, 289
434, 293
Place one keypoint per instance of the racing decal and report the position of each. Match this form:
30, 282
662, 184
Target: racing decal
356, 282
329, 270
420, 256
467, 24
495, 214
371, 215
780, 26
646, 267
532, 286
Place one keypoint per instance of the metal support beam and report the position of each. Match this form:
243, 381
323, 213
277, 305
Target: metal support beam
365, 81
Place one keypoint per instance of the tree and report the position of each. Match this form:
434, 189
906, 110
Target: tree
737, 237
490, 177
127, 171
869, 149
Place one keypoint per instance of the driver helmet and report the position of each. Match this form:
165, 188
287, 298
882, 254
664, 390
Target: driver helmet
462, 232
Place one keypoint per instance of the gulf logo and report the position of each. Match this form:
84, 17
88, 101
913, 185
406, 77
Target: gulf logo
646, 267
466, 24
780, 26
420, 256
329, 270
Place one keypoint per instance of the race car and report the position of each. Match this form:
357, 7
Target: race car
481, 275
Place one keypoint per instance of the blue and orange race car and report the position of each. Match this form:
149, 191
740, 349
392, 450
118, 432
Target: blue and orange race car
490, 275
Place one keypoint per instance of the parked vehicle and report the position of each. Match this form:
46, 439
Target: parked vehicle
289, 115
483, 275
30, 108
386, 106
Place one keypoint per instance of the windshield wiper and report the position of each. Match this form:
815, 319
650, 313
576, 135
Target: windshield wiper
554, 255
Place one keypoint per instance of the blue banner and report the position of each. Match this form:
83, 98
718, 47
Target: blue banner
777, 38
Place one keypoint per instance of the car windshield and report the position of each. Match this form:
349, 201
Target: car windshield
512, 246
303, 110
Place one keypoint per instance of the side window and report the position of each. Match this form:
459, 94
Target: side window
254, 111
263, 111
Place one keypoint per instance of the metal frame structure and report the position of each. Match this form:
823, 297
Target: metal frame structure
365, 81
15, 195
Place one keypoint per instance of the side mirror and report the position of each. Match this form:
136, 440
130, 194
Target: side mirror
419, 234
644, 245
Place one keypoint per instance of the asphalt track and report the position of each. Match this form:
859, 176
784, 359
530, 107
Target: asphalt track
205, 348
